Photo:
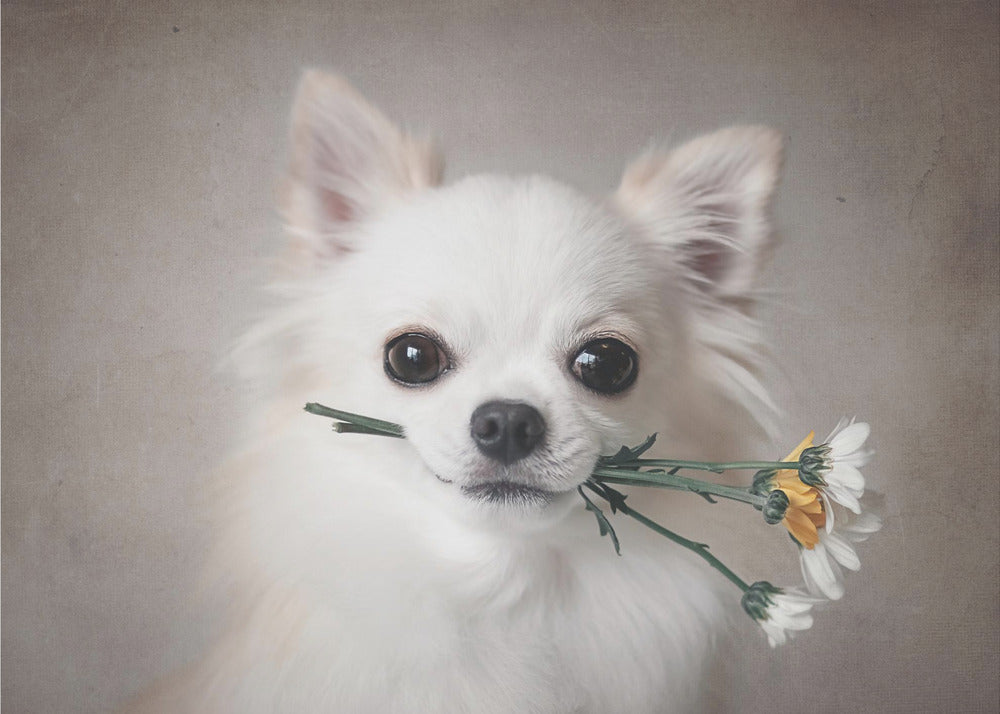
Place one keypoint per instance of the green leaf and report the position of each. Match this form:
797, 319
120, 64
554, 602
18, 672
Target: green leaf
706, 496
616, 499
626, 454
602, 521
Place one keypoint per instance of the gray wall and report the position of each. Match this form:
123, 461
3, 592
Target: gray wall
140, 144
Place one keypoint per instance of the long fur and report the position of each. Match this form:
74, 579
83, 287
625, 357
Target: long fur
364, 580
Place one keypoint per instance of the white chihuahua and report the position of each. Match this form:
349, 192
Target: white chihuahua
517, 330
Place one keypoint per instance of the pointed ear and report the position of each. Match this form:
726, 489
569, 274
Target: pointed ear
347, 161
708, 203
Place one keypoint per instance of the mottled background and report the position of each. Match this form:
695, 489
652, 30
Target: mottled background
140, 145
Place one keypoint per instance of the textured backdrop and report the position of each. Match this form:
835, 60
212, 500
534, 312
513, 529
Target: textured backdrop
140, 145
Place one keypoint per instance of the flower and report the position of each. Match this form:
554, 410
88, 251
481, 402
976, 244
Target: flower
833, 466
779, 612
827, 474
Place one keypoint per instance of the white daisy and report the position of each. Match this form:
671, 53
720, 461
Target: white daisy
834, 466
804, 499
779, 612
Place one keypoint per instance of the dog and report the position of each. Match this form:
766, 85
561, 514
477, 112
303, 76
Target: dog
517, 330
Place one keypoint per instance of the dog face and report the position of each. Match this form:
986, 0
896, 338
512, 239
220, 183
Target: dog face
514, 327
509, 334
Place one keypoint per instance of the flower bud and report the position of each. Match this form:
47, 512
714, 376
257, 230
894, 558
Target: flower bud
757, 599
762, 482
777, 504
813, 464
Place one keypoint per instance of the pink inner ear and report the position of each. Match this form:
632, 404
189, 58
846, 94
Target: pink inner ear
709, 259
336, 208
713, 257
341, 154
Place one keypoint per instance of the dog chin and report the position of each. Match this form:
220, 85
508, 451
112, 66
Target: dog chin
510, 506
508, 493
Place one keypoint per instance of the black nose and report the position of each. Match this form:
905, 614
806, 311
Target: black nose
507, 431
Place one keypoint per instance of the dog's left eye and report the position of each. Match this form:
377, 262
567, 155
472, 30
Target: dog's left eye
414, 358
605, 365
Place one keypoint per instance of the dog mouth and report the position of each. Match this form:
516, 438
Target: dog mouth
507, 493
519, 486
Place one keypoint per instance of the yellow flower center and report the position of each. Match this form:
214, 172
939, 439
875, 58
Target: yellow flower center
805, 513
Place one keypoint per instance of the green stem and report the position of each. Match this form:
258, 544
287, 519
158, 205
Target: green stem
700, 549
672, 480
716, 467
372, 426
346, 427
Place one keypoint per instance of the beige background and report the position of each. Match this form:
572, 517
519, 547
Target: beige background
140, 146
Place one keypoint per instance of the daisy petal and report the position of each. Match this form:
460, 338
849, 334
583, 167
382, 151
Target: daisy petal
804, 444
847, 476
858, 458
842, 551
820, 574
863, 526
789, 622
844, 497
786, 611
804, 501
775, 635
850, 439
844, 422
789, 481
801, 527
828, 511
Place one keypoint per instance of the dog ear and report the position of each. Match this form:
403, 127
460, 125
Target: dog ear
347, 161
708, 202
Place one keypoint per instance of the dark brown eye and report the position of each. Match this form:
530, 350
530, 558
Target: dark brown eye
605, 365
414, 359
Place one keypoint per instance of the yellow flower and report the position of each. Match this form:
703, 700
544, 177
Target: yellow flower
805, 513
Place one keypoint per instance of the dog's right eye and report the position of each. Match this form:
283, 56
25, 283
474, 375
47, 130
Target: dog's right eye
605, 365
414, 358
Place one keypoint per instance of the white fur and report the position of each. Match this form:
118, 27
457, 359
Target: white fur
365, 583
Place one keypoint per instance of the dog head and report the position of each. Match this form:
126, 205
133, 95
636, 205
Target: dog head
516, 328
